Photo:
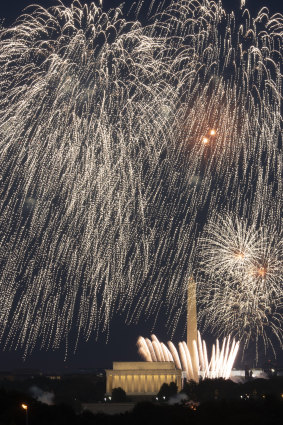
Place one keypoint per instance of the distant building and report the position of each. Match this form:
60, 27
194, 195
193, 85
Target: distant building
142, 378
248, 373
54, 377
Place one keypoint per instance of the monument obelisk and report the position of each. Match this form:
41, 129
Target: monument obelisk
192, 333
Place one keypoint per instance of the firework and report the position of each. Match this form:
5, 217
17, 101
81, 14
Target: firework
116, 138
228, 246
240, 311
241, 291
234, 247
219, 365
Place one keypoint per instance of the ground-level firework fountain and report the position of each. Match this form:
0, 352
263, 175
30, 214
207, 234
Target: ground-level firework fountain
219, 365
193, 356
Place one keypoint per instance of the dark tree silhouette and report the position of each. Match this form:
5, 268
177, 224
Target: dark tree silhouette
118, 395
167, 391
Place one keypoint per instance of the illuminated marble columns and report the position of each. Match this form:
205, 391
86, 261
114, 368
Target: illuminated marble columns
141, 378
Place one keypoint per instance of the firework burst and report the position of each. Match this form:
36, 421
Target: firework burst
219, 365
228, 246
241, 292
116, 138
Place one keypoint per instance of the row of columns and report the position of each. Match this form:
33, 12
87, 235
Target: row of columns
138, 383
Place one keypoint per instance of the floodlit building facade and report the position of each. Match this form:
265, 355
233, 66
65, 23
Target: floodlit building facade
142, 378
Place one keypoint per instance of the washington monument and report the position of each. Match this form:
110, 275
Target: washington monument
192, 336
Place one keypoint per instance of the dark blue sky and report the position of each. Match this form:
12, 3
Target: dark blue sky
122, 339
12, 8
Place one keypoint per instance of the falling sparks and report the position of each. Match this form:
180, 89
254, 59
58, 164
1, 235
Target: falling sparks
239, 294
117, 142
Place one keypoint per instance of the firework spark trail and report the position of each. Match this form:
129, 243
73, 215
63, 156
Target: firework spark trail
236, 161
241, 288
230, 246
241, 310
115, 138
235, 247
219, 366
84, 193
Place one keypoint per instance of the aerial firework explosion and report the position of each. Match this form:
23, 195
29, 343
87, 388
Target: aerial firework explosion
241, 270
233, 248
116, 141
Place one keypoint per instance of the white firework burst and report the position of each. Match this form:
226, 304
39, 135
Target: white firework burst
116, 138
229, 245
218, 365
241, 296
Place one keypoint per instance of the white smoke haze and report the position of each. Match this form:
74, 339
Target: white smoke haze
243, 379
45, 397
178, 399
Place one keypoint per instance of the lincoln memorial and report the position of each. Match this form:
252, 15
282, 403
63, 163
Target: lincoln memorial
141, 378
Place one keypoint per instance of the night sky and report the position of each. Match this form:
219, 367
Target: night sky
121, 345
12, 8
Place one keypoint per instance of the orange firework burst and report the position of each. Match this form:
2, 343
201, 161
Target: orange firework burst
261, 272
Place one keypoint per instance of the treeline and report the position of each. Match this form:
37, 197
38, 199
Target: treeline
70, 390
220, 389
215, 402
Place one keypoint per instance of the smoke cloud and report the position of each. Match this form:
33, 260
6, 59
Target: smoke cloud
177, 399
42, 396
